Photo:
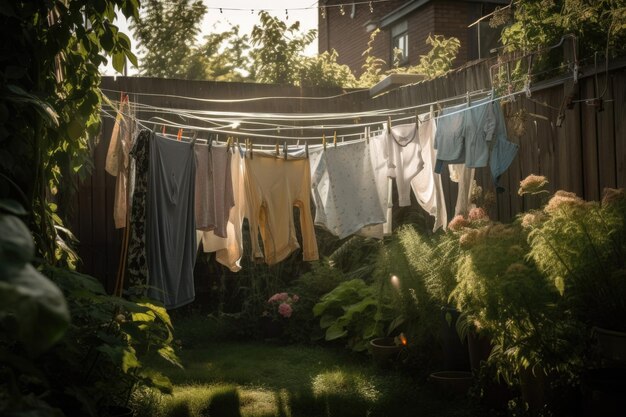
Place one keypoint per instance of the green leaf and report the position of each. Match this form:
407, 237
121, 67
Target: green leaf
119, 59
16, 243
43, 108
12, 207
157, 380
168, 353
559, 283
38, 305
336, 331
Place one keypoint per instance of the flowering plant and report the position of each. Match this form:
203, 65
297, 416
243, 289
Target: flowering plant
280, 305
580, 247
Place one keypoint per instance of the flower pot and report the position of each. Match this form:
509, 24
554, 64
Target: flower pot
384, 350
612, 345
455, 356
455, 383
604, 392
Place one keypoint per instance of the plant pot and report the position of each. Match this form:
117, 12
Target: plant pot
384, 350
479, 348
455, 356
604, 392
455, 383
612, 345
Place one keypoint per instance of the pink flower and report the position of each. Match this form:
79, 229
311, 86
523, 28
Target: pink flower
457, 223
278, 297
285, 310
477, 214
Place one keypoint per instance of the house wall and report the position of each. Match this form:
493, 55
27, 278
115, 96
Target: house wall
348, 35
349, 38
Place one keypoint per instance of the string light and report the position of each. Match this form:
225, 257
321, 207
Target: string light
323, 12
286, 14
322, 7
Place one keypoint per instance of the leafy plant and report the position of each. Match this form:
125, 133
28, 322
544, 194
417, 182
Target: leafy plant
353, 311
580, 247
502, 293
437, 62
311, 286
277, 50
50, 102
323, 70
50, 365
106, 341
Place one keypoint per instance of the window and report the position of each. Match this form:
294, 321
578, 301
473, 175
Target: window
400, 44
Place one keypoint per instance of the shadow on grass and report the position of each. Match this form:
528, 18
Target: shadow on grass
224, 402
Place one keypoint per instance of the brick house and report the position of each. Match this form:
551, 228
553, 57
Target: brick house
404, 25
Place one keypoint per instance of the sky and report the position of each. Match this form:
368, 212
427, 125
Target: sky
216, 21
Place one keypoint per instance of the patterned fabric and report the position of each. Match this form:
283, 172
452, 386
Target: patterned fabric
137, 262
344, 190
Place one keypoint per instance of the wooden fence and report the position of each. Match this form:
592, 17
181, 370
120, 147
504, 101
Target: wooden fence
584, 155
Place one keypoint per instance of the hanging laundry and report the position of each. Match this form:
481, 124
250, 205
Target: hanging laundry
426, 184
230, 249
213, 189
396, 154
503, 151
118, 161
273, 187
377, 150
480, 126
450, 136
137, 261
403, 159
464, 176
170, 222
344, 189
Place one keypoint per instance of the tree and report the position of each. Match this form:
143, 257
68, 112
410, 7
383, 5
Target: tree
222, 57
278, 50
323, 70
599, 25
50, 101
166, 33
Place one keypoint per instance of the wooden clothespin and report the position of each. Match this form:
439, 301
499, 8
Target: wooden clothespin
163, 129
251, 149
285, 149
467, 98
388, 124
306, 149
194, 137
324, 141
277, 150
210, 141
228, 142
335, 138
179, 136
367, 134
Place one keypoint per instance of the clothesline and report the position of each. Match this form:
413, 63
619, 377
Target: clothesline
237, 133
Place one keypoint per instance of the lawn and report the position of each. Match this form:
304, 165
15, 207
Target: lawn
257, 379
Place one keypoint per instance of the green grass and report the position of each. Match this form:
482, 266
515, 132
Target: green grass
263, 380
